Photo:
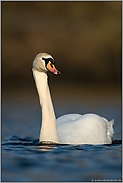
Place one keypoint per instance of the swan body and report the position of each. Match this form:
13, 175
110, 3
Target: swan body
84, 129
70, 128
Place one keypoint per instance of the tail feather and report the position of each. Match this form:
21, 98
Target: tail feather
110, 130
112, 122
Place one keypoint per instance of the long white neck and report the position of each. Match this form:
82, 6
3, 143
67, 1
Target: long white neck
48, 128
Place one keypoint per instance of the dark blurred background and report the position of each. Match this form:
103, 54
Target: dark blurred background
83, 37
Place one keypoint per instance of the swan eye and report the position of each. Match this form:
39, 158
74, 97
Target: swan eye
49, 60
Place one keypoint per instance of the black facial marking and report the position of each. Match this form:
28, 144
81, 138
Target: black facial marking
47, 60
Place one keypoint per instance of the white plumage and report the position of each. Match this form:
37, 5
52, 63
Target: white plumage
70, 128
84, 129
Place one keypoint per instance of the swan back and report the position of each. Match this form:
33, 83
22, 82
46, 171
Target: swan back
84, 129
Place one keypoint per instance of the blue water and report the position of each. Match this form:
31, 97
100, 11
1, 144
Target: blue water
25, 159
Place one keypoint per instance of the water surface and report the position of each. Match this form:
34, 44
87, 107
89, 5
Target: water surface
24, 159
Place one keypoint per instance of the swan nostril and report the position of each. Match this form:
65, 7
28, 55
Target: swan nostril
51, 65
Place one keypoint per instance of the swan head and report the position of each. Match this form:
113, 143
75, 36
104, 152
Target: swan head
44, 62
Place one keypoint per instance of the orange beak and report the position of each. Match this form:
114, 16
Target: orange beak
51, 67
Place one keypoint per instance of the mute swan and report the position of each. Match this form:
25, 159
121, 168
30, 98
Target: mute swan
70, 128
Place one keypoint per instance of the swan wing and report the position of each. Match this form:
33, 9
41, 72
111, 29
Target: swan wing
66, 118
84, 129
